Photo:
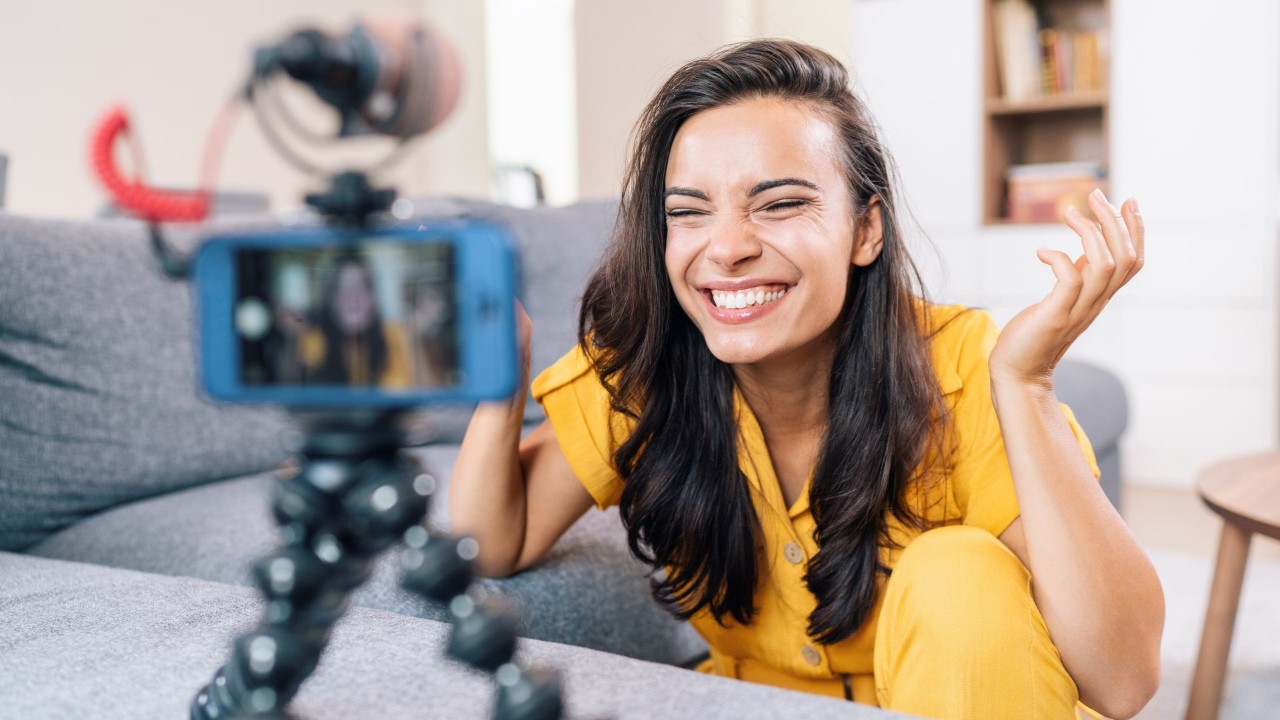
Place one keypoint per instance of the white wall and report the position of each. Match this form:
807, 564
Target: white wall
173, 64
532, 91
1194, 137
1195, 134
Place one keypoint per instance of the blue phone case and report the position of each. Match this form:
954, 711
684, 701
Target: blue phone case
484, 280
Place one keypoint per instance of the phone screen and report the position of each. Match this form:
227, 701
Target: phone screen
382, 315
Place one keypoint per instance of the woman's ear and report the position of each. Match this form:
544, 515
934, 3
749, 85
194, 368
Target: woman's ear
868, 234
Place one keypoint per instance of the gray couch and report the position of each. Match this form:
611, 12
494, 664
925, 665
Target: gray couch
130, 509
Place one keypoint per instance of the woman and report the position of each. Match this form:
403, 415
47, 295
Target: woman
851, 491
350, 344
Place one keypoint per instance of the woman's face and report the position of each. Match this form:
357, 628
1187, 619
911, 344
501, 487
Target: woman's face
353, 300
760, 229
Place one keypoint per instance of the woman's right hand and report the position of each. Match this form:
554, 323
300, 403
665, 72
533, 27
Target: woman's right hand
515, 496
524, 350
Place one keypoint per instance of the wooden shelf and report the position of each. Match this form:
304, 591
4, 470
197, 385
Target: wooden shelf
1067, 127
1096, 100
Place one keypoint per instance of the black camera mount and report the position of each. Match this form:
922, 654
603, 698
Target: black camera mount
353, 495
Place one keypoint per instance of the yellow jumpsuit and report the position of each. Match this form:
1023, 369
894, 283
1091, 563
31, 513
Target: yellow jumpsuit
955, 633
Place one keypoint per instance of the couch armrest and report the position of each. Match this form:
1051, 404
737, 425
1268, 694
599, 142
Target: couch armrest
1098, 399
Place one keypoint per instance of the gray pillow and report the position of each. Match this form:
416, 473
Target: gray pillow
97, 369
97, 388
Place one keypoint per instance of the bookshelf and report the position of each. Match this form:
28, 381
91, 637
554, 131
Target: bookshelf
1046, 106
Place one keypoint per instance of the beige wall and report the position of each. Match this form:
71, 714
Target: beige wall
455, 158
625, 49
824, 23
173, 64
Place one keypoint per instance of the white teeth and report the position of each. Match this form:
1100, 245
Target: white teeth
736, 300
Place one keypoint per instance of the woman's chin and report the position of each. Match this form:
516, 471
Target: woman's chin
739, 351
756, 348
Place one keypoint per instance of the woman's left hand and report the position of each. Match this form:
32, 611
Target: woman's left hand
1033, 342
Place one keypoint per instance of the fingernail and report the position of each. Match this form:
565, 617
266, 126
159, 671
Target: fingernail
1071, 210
1099, 193
1136, 211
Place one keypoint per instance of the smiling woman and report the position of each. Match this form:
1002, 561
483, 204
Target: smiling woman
849, 490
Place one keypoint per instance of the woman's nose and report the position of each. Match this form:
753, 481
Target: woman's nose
731, 244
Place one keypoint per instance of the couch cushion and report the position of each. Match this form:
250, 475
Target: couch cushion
106, 643
100, 404
587, 591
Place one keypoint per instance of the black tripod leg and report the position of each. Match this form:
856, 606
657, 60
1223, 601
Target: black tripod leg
353, 497
439, 568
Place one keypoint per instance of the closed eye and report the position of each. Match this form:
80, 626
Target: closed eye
782, 206
789, 204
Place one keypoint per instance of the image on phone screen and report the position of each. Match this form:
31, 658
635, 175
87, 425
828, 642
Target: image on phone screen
383, 315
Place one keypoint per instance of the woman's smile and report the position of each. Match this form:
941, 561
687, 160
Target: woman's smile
745, 303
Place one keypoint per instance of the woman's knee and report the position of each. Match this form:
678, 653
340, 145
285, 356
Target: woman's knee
959, 633
957, 555
957, 579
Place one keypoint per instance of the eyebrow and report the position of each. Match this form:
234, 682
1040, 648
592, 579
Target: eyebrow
771, 184
759, 188
687, 192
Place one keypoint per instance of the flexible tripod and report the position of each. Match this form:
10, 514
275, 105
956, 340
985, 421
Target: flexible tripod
355, 495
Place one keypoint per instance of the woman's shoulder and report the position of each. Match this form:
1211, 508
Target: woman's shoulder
573, 366
960, 339
949, 322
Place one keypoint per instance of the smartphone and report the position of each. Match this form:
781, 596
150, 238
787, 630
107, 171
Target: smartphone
341, 318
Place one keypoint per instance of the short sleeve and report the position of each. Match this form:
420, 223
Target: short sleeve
981, 480
577, 405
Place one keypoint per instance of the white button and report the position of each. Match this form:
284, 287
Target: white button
793, 553
811, 656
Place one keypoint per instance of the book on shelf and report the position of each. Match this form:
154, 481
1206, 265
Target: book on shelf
1017, 48
1035, 59
1042, 192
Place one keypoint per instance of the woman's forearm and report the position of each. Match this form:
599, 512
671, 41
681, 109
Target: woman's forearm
487, 490
1095, 587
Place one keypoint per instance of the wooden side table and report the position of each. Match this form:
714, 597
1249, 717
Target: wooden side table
1246, 493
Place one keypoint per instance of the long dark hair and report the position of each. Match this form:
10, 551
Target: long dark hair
685, 503
333, 368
